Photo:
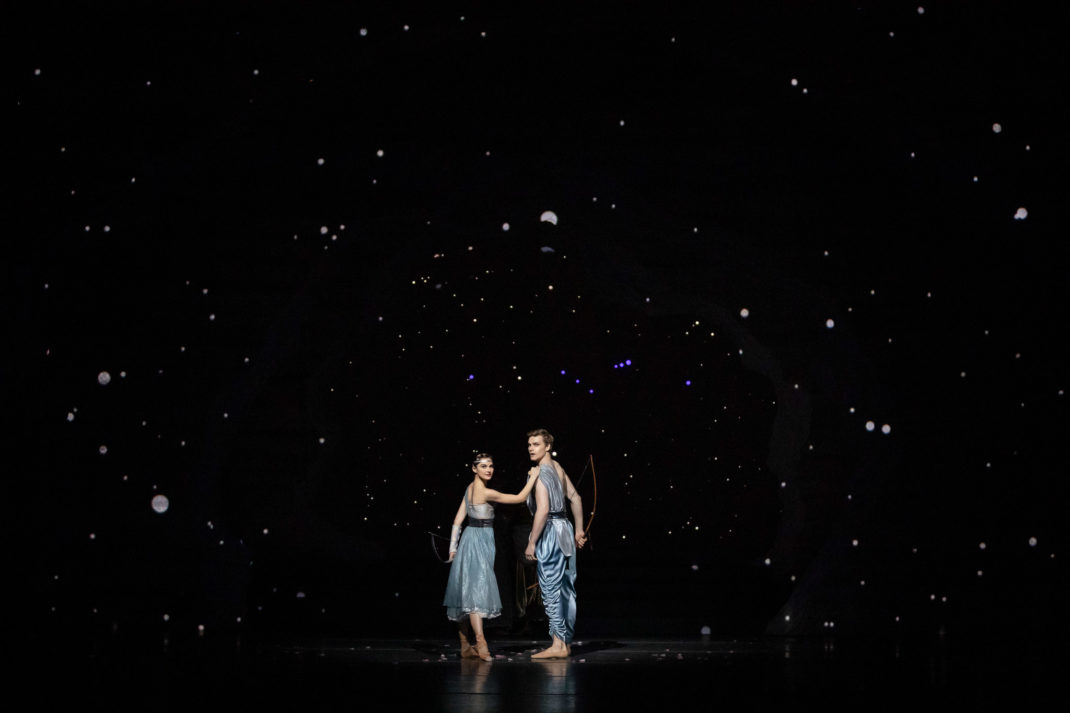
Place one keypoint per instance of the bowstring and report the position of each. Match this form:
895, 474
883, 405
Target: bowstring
434, 548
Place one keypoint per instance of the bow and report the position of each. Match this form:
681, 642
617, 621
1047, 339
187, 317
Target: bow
594, 479
434, 547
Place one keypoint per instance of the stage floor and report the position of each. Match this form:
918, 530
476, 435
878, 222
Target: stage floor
620, 675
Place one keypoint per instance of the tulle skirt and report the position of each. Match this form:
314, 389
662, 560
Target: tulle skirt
472, 587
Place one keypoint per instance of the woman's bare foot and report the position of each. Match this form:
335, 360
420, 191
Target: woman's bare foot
467, 650
481, 648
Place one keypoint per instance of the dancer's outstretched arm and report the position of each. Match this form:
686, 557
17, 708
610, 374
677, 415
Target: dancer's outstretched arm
510, 499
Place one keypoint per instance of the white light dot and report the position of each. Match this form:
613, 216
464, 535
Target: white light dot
854, 543
996, 128
364, 32
768, 561
744, 313
794, 82
211, 317
1032, 542
982, 545
886, 429
103, 378
70, 416
1021, 214
548, 216
705, 631
320, 162
505, 227
160, 503
103, 450
921, 10
379, 153
830, 323
870, 425
92, 535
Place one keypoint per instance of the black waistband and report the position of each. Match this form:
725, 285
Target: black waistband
559, 515
472, 522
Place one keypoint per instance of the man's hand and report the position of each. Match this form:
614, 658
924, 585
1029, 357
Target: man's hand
529, 552
581, 539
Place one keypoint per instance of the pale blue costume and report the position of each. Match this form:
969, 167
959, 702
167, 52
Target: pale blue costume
555, 553
472, 586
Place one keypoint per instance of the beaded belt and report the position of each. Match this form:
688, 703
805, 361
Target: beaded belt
481, 523
559, 515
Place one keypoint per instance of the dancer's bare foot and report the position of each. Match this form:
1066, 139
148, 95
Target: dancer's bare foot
467, 650
556, 651
481, 648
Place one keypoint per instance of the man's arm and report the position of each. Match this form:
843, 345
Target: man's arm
576, 505
542, 509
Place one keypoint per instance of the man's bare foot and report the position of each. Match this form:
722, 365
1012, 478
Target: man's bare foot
556, 651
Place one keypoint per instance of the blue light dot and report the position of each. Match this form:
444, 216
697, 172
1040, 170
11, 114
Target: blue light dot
471, 376
590, 391
577, 381
688, 382
562, 372
628, 362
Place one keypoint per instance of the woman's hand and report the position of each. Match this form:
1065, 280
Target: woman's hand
581, 539
529, 552
452, 555
532, 472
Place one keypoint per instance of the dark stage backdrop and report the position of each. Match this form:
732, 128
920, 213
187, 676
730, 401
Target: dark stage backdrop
789, 273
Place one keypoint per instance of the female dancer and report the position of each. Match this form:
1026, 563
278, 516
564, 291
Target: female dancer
472, 591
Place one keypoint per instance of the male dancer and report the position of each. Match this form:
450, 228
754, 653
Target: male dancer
552, 543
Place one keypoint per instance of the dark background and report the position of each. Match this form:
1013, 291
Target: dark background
303, 356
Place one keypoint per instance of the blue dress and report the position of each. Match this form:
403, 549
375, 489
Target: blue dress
472, 586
